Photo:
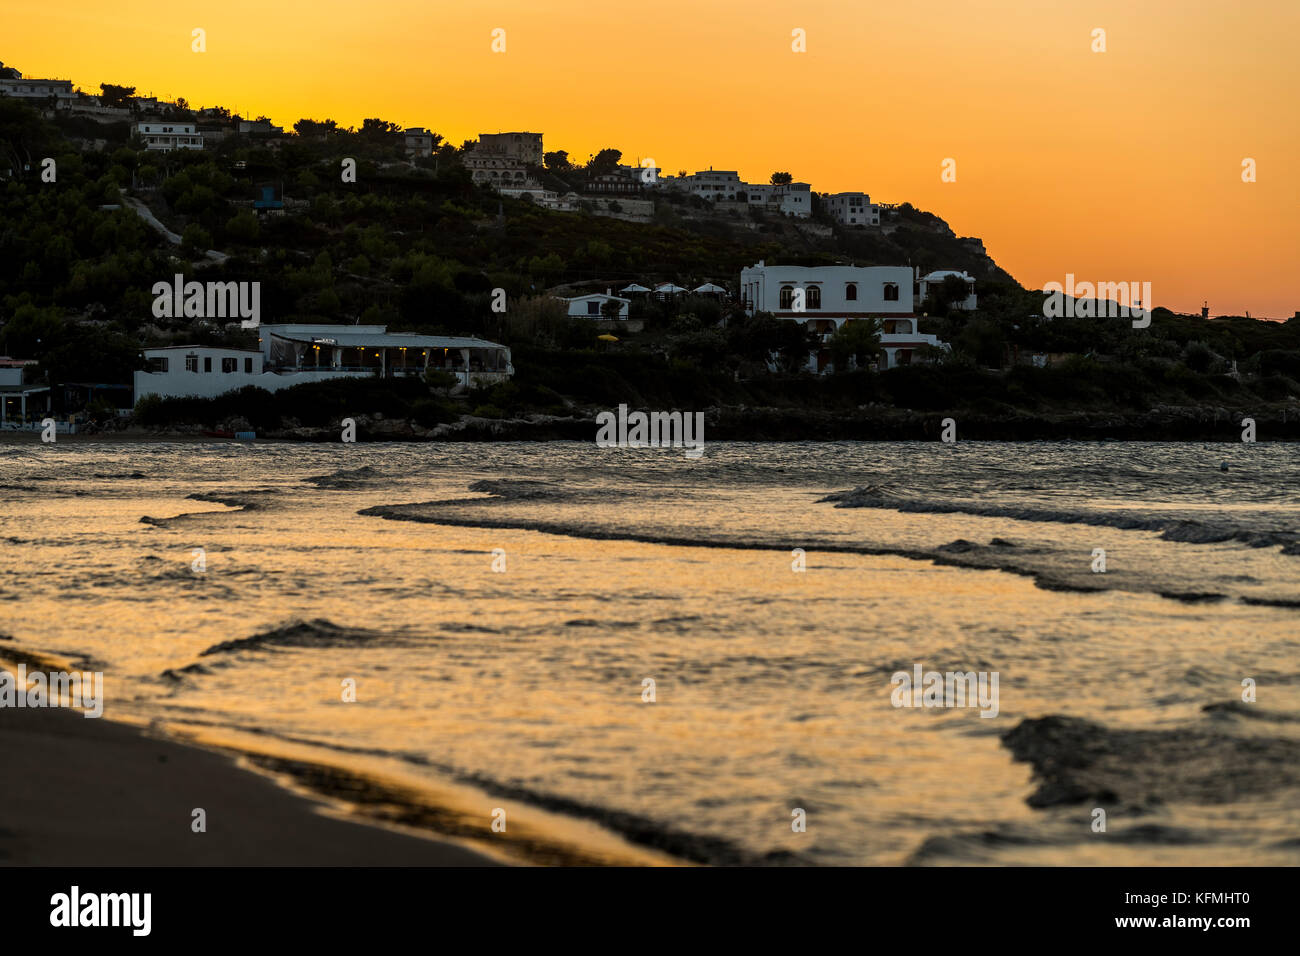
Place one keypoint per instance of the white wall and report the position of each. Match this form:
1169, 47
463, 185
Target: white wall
761, 286
190, 385
578, 305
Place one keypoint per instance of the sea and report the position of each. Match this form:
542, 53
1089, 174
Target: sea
559, 653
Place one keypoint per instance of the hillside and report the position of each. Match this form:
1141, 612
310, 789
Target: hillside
418, 246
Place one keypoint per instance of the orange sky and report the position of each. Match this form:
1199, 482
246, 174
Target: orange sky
1115, 166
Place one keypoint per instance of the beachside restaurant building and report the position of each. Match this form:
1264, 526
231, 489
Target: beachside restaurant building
296, 354
373, 350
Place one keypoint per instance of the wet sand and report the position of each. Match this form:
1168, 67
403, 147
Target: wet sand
88, 792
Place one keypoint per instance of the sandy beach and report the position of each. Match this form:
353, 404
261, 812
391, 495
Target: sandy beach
89, 792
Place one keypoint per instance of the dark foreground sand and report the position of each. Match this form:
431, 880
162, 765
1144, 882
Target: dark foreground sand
87, 792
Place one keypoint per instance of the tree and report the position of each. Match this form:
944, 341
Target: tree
116, 96
243, 227
557, 160
440, 379
782, 179
604, 162
859, 341
195, 240
182, 103
310, 127
377, 130
610, 309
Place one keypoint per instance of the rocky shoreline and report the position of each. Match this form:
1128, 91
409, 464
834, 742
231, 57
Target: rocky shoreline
1210, 423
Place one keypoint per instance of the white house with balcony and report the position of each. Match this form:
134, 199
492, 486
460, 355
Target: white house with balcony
300, 353
824, 298
167, 135
926, 284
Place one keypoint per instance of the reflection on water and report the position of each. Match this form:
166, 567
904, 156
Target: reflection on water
374, 564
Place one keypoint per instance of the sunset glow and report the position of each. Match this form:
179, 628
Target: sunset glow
1122, 165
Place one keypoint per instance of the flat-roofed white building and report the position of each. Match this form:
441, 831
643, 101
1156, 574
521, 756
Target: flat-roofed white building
24, 87
824, 298
793, 199
852, 209
711, 184
197, 371
295, 354
593, 306
168, 136
931, 282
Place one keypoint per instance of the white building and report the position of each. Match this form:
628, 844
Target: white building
299, 353
200, 371
725, 185
793, 199
932, 281
28, 88
169, 136
824, 298
852, 209
593, 306
711, 184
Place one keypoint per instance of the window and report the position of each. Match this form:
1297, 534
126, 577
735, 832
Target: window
207, 363
787, 296
229, 365
851, 292
891, 292
814, 297
191, 363
248, 366
593, 308
158, 364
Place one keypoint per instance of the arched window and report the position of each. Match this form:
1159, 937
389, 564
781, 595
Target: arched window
891, 292
814, 297
787, 296
851, 292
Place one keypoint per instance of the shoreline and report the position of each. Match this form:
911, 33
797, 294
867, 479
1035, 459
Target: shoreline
102, 792
1167, 423
94, 792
